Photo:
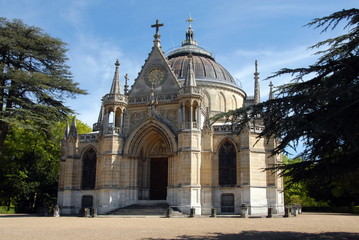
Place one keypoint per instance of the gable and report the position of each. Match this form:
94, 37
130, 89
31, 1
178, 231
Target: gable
156, 66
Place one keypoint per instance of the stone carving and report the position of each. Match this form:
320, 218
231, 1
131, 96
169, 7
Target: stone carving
158, 149
135, 117
170, 115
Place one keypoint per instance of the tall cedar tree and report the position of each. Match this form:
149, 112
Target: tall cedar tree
34, 78
30, 166
322, 112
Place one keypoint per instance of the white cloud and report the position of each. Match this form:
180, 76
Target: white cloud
92, 64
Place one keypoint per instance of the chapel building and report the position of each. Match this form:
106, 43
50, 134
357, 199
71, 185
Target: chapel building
156, 142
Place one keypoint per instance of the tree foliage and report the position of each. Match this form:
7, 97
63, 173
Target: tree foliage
29, 166
319, 107
298, 192
34, 78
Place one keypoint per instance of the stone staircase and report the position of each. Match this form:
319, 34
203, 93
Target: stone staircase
146, 208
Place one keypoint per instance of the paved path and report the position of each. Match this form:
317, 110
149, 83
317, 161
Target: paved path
306, 226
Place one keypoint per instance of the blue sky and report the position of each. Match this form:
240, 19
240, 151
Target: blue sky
237, 31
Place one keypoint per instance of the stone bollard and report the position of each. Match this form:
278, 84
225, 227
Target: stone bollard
299, 209
169, 212
87, 212
57, 211
213, 212
286, 212
270, 212
94, 212
192, 212
294, 210
244, 211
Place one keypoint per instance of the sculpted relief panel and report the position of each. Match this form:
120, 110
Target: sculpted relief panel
171, 116
136, 117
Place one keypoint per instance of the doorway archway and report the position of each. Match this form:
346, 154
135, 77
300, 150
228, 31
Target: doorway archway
151, 145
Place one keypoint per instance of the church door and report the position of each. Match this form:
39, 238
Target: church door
158, 178
227, 202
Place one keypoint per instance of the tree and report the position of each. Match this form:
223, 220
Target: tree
34, 78
29, 167
297, 193
319, 107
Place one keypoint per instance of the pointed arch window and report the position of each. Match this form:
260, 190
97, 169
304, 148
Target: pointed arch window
89, 169
227, 164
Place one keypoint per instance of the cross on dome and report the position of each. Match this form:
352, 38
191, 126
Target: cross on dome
190, 20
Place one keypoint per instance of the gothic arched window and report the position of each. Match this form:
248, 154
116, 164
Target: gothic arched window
227, 164
89, 169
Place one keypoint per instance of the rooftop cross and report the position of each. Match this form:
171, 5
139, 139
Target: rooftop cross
189, 20
157, 26
126, 84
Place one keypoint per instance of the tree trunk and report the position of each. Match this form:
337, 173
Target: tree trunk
4, 129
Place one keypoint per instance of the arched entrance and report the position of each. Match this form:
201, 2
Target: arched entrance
152, 146
153, 168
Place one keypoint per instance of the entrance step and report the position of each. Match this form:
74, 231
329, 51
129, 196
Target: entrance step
143, 208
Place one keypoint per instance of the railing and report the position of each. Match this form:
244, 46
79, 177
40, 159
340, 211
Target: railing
257, 129
88, 137
226, 128
189, 125
113, 130
115, 98
159, 97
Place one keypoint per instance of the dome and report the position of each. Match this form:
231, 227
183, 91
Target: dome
205, 66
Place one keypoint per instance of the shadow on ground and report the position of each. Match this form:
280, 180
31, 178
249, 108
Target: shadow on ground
256, 235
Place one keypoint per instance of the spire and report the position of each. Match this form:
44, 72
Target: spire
257, 95
190, 80
116, 87
157, 36
67, 130
100, 116
73, 128
126, 84
271, 91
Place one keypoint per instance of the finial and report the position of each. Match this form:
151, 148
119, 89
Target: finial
271, 91
126, 83
190, 20
67, 129
115, 87
73, 124
73, 128
257, 96
157, 26
189, 34
190, 80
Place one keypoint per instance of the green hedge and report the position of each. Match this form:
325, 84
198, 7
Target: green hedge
6, 210
354, 209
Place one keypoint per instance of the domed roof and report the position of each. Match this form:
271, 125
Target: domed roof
205, 66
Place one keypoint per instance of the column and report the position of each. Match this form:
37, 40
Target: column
191, 115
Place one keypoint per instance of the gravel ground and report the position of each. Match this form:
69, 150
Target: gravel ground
306, 226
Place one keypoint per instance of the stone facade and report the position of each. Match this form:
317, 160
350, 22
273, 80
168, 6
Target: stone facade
156, 142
